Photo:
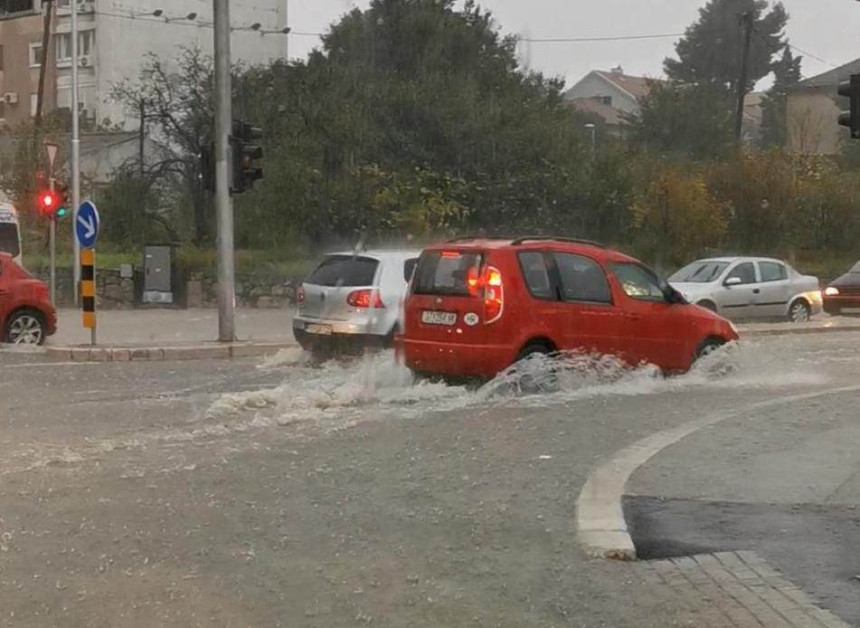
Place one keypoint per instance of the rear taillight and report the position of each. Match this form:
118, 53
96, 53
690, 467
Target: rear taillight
300, 295
365, 299
494, 294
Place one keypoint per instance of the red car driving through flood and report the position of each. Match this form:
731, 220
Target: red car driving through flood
476, 306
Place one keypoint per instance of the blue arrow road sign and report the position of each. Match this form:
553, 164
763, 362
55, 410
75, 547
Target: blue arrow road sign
87, 225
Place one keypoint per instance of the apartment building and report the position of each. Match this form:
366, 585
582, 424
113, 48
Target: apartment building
21, 32
116, 35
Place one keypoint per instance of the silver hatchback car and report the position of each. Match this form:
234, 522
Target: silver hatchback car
353, 300
750, 287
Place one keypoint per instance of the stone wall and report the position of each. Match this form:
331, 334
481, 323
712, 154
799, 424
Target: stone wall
199, 290
202, 291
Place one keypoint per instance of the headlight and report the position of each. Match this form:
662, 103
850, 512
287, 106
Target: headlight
832, 292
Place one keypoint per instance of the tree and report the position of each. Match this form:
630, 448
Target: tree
178, 109
774, 126
676, 216
692, 121
711, 49
406, 87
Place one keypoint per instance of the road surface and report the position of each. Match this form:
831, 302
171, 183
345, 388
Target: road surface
279, 493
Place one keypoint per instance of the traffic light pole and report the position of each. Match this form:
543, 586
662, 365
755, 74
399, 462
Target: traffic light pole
53, 246
223, 201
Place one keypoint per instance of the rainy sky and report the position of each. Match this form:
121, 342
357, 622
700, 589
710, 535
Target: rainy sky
828, 31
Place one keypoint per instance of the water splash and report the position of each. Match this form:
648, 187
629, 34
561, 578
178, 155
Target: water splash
376, 385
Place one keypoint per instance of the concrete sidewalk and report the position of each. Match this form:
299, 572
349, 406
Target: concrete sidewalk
168, 327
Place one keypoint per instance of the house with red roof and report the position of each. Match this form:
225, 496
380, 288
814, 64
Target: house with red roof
610, 95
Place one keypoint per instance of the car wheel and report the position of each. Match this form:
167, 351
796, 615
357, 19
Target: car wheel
708, 305
25, 327
708, 346
535, 383
799, 312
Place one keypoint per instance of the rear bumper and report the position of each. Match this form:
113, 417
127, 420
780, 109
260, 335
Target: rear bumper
339, 343
456, 360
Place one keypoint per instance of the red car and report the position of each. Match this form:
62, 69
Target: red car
26, 312
476, 306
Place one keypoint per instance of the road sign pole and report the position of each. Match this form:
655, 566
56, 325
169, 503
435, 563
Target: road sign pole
88, 291
51, 149
54, 260
223, 201
87, 225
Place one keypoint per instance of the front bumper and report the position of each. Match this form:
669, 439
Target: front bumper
838, 305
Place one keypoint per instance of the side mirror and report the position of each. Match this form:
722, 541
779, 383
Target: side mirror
732, 281
674, 297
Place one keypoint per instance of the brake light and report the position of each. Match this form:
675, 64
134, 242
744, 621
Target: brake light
300, 295
493, 295
365, 299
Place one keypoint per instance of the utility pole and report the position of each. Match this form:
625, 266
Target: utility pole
76, 146
747, 24
43, 69
223, 201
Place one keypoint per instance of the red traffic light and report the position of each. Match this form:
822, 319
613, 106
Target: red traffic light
48, 202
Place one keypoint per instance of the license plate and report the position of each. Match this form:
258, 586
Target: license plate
429, 317
322, 330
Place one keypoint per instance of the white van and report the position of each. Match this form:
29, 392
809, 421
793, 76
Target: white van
10, 231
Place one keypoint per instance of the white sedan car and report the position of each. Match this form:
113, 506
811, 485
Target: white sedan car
749, 287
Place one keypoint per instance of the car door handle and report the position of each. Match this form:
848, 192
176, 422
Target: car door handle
756, 291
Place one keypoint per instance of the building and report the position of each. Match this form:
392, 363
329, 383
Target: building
812, 112
609, 95
116, 35
21, 34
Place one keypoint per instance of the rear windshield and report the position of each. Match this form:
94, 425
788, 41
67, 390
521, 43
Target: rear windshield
344, 270
447, 273
9, 238
700, 272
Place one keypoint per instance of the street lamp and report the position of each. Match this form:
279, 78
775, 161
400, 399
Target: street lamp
593, 128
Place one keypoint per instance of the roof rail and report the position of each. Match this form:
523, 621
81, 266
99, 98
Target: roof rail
478, 237
519, 241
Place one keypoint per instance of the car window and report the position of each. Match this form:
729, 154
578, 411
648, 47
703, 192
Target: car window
536, 274
700, 272
409, 268
582, 279
772, 271
638, 283
344, 270
452, 273
9, 238
745, 272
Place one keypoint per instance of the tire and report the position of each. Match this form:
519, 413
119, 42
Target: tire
708, 346
532, 349
799, 312
527, 382
708, 305
25, 327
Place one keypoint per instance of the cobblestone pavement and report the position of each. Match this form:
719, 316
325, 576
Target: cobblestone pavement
734, 590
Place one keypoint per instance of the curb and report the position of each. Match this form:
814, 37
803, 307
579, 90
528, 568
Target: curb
161, 354
600, 523
798, 331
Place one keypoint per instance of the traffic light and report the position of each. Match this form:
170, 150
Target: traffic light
64, 201
851, 119
247, 156
48, 202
